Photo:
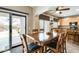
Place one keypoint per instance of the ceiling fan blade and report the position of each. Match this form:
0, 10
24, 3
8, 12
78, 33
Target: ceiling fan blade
63, 9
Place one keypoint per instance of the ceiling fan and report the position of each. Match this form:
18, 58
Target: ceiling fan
62, 8
58, 10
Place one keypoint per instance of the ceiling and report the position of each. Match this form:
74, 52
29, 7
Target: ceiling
51, 10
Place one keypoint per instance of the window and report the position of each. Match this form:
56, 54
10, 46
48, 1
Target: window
4, 31
73, 25
41, 24
45, 25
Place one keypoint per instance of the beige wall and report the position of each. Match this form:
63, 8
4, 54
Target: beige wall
25, 9
36, 20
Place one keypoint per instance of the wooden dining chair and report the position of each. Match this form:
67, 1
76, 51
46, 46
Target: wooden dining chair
63, 44
71, 34
31, 47
59, 45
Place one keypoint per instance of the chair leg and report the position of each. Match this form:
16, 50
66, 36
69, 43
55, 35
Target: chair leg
61, 49
65, 50
40, 50
45, 48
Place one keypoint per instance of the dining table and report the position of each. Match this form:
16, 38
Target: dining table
43, 38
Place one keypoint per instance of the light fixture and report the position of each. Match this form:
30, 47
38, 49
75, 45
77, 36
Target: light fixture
58, 12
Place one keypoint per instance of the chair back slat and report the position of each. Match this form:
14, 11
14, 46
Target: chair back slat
58, 42
61, 41
24, 43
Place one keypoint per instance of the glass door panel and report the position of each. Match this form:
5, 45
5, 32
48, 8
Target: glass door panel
18, 27
4, 31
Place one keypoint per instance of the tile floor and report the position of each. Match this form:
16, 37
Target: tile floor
72, 47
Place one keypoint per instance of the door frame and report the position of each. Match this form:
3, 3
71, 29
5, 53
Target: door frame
10, 27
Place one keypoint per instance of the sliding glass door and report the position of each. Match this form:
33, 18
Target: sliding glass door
18, 27
11, 26
4, 31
